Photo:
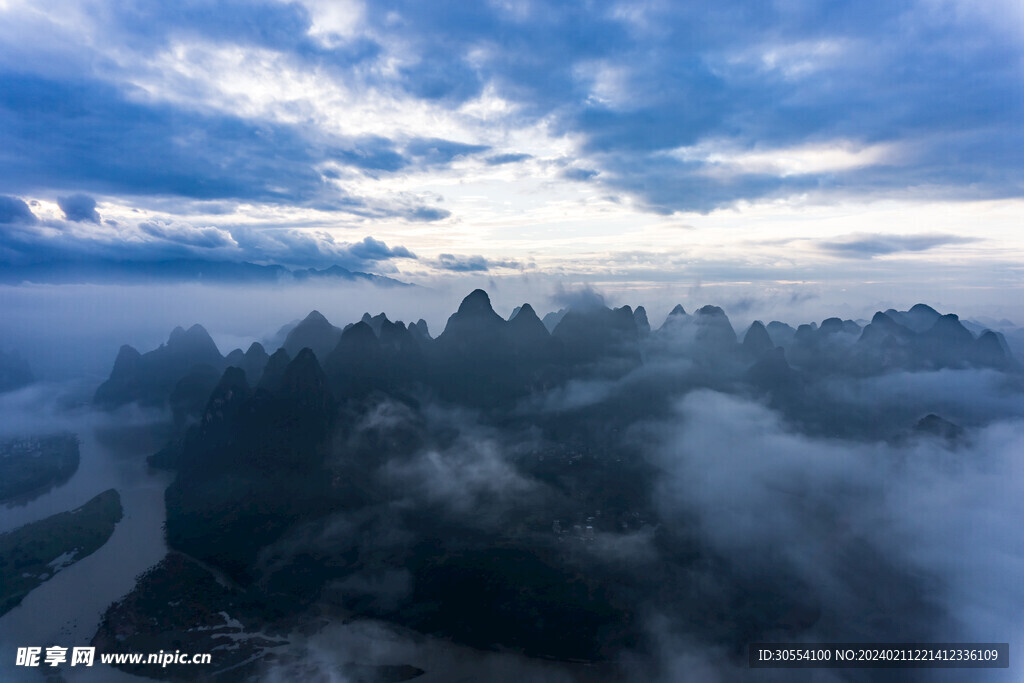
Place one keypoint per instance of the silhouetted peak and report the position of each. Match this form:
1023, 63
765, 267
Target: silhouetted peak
940, 427
358, 338
552, 319
396, 337
376, 322
315, 317
235, 358
474, 323
526, 327
232, 381
714, 326
678, 310
273, 372
772, 371
781, 333
885, 323
126, 362
924, 309
880, 318
305, 380
805, 334
831, 326
949, 328
527, 311
643, 325
420, 329
623, 318
711, 311
991, 349
194, 341
227, 396
315, 332
256, 350
477, 302
756, 341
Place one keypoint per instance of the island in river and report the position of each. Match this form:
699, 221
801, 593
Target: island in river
34, 553
30, 466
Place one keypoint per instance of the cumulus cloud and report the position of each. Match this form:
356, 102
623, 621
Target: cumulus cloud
204, 238
79, 208
14, 210
375, 250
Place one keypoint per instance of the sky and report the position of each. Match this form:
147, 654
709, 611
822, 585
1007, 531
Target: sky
855, 153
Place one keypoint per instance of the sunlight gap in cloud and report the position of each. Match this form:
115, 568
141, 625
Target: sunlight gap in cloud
813, 158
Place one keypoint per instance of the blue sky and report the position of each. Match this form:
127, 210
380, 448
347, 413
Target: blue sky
748, 144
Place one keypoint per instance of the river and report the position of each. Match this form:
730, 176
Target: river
66, 610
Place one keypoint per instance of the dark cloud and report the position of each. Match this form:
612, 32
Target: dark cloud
14, 210
79, 208
205, 238
650, 90
438, 152
427, 214
471, 264
375, 250
580, 174
60, 134
870, 245
510, 158
752, 75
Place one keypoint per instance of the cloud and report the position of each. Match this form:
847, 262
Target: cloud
14, 210
510, 158
79, 208
684, 108
582, 298
471, 264
580, 174
866, 245
427, 214
838, 515
375, 250
436, 152
171, 152
205, 238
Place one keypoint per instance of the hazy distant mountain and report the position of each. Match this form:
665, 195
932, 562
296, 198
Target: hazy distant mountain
183, 270
151, 377
315, 332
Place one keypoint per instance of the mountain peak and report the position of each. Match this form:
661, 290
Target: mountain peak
678, 310
526, 327
315, 316
176, 335
926, 309
256, 350
476, 302
757, 341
